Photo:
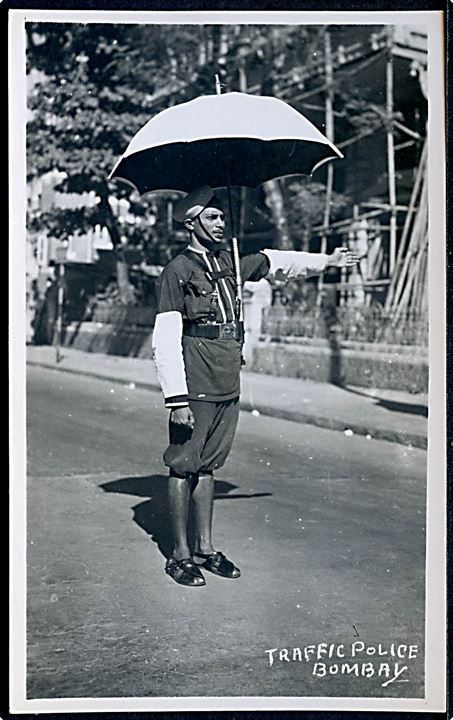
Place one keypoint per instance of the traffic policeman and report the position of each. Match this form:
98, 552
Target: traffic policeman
197, 343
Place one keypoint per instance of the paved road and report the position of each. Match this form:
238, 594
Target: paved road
328, 531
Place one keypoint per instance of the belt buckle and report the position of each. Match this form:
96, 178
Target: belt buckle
227, 331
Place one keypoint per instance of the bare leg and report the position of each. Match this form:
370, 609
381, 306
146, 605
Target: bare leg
178, 500
203, 503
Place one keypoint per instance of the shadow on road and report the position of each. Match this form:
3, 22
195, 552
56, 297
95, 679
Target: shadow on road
152, 514
394, 405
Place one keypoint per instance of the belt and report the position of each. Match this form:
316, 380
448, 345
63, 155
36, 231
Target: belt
221, 331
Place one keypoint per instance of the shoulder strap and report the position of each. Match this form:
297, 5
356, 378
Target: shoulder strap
195, 260
211, 275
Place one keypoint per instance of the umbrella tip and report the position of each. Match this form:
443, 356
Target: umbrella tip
218, 87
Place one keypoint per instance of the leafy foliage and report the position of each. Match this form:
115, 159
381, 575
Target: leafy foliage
83, 116
307, 202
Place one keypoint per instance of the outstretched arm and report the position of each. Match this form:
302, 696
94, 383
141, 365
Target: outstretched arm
286, 264
342, 257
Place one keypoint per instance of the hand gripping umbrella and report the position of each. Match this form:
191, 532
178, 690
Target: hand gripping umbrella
234, 139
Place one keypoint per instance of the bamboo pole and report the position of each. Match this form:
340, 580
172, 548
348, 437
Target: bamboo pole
420, 281
329, 98
405, 281
419, 179
424, 297
422, 278
391, 151
417, 233
408, 131
346, 223
384, 206
407, 224
409, 296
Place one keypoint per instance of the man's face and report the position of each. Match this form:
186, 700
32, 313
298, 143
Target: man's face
210, 224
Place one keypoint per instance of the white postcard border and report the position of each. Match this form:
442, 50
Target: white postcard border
435, 653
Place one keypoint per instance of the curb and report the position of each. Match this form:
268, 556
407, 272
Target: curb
402, 438
396, 436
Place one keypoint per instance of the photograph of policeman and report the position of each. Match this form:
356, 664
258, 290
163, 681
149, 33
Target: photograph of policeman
227, 383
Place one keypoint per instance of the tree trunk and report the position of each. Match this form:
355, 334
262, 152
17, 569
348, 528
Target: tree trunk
272, 188
125, 288
274, 201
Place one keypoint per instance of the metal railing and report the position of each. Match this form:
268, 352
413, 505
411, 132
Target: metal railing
357, 324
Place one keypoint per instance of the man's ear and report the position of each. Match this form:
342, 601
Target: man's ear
189, 225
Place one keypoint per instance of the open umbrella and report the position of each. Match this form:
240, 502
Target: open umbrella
234, 139
221, 140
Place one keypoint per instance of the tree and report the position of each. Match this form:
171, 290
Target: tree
98, 85
306, 201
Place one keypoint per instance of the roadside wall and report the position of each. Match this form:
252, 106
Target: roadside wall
399, 367
395, 367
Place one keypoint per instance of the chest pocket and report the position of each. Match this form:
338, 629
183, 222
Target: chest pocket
198, 298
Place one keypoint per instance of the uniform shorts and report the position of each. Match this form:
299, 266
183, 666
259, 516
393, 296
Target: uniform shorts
206, 447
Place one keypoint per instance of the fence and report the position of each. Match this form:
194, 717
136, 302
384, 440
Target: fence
360, 324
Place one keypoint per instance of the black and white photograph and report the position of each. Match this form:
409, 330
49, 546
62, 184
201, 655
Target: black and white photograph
227, 338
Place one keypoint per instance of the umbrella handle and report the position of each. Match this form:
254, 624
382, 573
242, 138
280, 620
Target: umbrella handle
236, 261
237, 275
235, 253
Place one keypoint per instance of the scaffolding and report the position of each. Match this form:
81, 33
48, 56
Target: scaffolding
390, 238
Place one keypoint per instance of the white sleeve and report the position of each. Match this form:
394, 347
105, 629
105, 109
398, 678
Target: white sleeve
287, 264
168, 358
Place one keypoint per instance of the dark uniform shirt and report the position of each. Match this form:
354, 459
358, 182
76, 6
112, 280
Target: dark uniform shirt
212, 366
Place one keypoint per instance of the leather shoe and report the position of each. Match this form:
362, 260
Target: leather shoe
218, 564
184, 572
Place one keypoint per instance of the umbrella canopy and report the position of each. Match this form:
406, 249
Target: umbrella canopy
223, 140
